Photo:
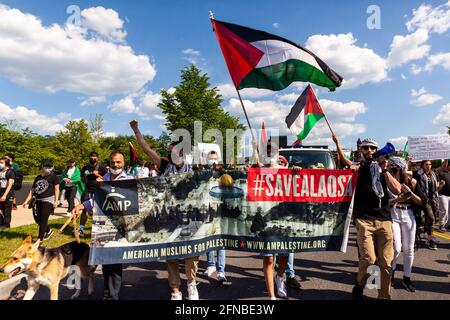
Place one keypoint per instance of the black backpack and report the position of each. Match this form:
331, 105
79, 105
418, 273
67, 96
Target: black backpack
18, 180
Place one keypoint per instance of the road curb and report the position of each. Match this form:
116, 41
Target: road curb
8, 285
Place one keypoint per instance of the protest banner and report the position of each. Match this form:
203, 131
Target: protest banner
190, 214
431, 147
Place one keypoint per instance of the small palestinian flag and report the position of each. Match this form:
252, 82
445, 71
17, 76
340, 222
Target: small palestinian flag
304, 114
133, 155
257, 59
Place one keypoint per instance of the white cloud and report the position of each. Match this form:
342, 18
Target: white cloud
415, 69
432, 19
109, 134
105, 22
227, 90
438, 59
274, 113
92, 101
357, 65
403, 76
125, 105
288, 98
276, 25
148, 107
191, 55
408, 48
399, 142
340, 111
423, 98
416, 93
443, 117
143, 103
30, 118
64, 58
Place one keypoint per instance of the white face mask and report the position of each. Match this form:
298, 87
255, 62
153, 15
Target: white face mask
116, 171
212, 162
2, 166
47, 171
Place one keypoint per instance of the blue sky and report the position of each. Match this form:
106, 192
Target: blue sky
124, 52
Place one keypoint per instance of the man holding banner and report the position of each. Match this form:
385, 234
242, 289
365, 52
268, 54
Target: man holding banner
372, 217
170, 167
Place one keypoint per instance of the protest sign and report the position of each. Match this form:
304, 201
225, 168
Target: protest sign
431, 147
190, 214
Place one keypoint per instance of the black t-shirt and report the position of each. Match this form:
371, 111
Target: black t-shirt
367, 204
90, 178
445, 176
4, 178
44, 186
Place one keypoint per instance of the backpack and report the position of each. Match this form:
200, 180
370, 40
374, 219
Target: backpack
18, 180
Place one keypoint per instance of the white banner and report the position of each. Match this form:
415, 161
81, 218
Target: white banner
432, 147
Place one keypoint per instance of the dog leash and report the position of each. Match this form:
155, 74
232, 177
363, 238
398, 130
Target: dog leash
74, 219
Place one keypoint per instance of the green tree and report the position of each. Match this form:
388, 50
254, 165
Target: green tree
75, 142
195, 100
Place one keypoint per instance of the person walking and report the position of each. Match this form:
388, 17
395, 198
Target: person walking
444, 197
89, 175
45, 191
174, 164
112, 274
372, 215
71, 183
6, 193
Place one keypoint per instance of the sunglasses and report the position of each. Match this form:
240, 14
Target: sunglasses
369, 147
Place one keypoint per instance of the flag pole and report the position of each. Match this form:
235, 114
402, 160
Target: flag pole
245, 113
329, 126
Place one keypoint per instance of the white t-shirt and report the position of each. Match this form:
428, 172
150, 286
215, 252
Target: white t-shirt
69, 175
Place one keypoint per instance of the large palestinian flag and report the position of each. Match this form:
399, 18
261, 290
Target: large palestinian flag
257, 59
304, 114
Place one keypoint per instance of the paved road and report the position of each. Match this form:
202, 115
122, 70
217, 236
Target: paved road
327, 275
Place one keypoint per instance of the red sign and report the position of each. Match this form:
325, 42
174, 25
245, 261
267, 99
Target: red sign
283, 185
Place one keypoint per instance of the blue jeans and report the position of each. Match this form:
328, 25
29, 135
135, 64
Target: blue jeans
220, 260
290, 272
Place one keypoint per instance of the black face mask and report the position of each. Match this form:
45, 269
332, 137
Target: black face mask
92, 162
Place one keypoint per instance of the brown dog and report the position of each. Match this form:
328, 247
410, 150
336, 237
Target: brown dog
48, 267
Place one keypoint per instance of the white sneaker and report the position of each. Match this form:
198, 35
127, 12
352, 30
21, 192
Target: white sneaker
68, 214
281, 287
209, 271
221, 277
192, 291
177, 296
273, 298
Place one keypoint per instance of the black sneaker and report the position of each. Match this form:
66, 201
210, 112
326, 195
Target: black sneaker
293, 283
408, 285
432, 245
358, 292
107, 296
48, 235
60, 205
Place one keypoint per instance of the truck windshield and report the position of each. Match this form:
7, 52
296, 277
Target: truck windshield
309, 158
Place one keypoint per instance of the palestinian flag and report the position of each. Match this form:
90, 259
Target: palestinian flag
133, 155
304, 114
257, 59
263, 135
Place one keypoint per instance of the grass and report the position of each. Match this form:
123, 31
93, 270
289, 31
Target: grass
28, 179
11, 239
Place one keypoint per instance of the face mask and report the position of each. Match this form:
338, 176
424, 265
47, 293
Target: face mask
2, 166
47, 171
212, 162
92, 161
116, 171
